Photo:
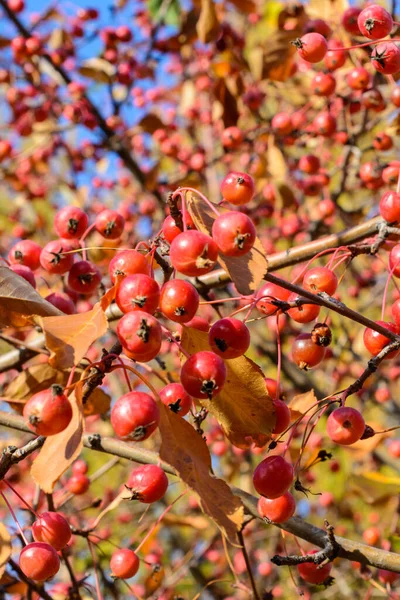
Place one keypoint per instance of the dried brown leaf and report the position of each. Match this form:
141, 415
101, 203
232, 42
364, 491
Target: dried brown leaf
187, 452
208, 25
150, 123
247, 272
30, 381
59, 451
301, 403
98, 69
5, 548
243, 408
19, 301
245, 6
230, 114
98, 403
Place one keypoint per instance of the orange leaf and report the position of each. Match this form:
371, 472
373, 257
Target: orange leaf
5, 548
187, 452
247, 272
19, 301
300, 404
208, 25
59, 451
243, 408
69, 337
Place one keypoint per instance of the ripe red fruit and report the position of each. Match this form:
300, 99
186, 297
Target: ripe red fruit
171, 230
282, 413
237, 188
234, 233
324, 124
375, 342
282, 123
176, 398
193, 253
304, 313
396, 312
323, 84
313, 573
135, 416
387, 576
358, 78
389, 206
52, 528
48, 412
62, 301
277, 510
335, 58
138, 292
371, 175
124, 564
382, 141
179, 300
71, 222
39, 561
312, 47
16, 6
305, 353
375, 22
84, 277
24, 272
345, 425
53, 259
78, 484
309, 164
394, 260
110, 224
25, 253
349, 20
203, 374
229, 338
140, 335
268, 292
273, 477
395, 96
80, 466
232, 137
372, 536
385, 58
320, 279
148, 483
128, 262
272, 387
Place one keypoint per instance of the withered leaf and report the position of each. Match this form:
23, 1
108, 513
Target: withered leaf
230, 112
19, 301
301, 403
208, 25
5, 548
150, 123
187, 452
98, 69
247, 272
243, 408
59, 451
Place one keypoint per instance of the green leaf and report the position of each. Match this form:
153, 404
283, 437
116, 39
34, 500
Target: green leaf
172, 16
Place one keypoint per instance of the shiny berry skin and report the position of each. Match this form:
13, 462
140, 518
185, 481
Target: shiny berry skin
148, 483
62, 301
24, 272
193, 253
176, 398
395, 96
138, 292
324, 124
273, 477
39, 561
110, 224
311, 572
396, 312
282, 413
394, 260
84, 277
53, 260
25, 253
358, 78
349, 20
78, 484
203, 374
70, 222
232, 137
310, 164
282, 123
305, 313
345, 425
124, 564
128, 262
140, 335
335, 58
272, 387
80, 467
387, 576
375, 22
320, 279
268, 292
371, 175
277, 510
389, 206
179, 300
312, 47
52, 528
382, 141
48, 412
385, 58
375, 341
171, 230
305, 353
234, 233
229, 338
323, 84
135, 416
237, 188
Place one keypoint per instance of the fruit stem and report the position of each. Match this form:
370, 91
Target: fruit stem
96, 576
15, 518
202, 196
32, 510
386, 289
160, 518
279, 362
